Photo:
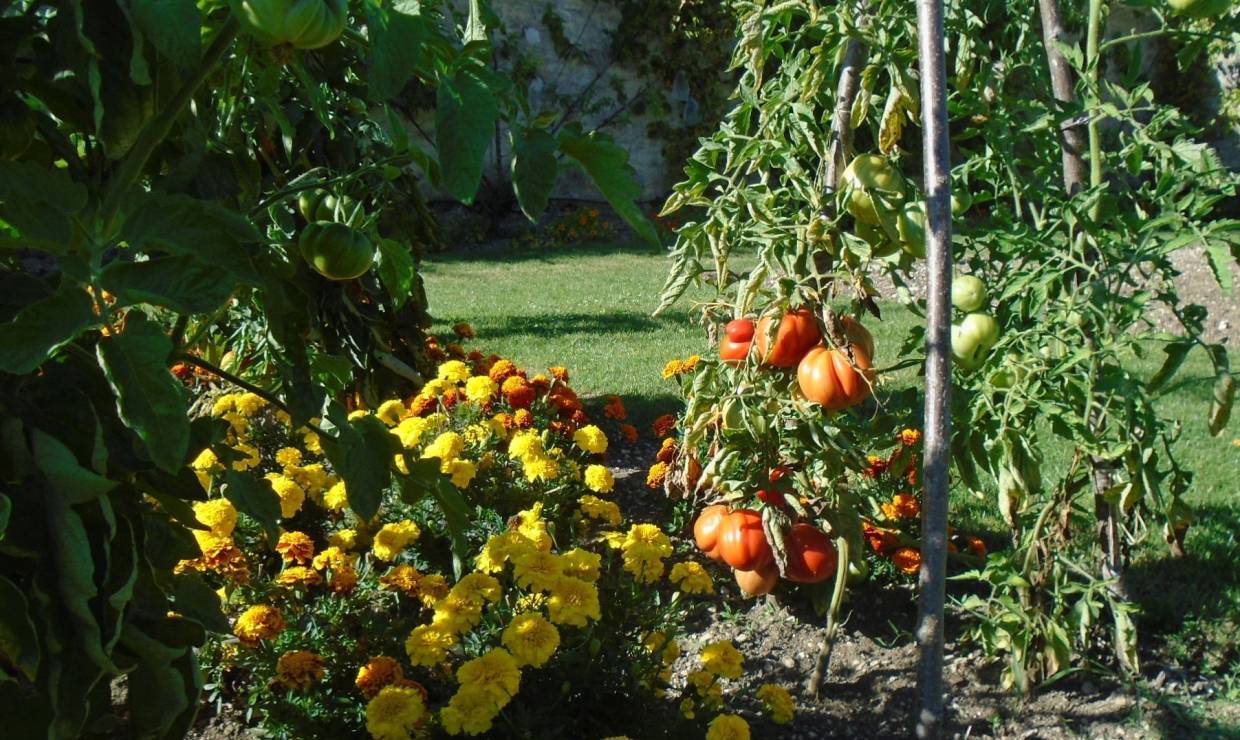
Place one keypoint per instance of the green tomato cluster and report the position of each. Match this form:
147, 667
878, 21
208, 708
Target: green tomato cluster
302, 24
336, 251
875, 190
977, 333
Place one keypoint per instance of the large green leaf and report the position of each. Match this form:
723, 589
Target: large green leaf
361, 453
424, 479
36, 200
182, 225
43, 327
608, 166
148, 397
19, 642
60, 466
183, 283
465, 117
163, 687
198, 601
173, 26
254, 498
397, 35
534, 169
396, 270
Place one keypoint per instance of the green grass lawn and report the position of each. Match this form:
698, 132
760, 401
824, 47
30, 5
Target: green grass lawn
588, 308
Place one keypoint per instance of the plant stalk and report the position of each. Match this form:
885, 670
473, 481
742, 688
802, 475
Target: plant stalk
823, 662
936, 159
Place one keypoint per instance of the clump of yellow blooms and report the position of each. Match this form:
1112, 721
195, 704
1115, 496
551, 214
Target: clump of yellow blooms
692, 578
645, 546
393, 538
778, 703
297, 669
395, 713
258, 623
599, 478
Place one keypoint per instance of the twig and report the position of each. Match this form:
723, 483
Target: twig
823, 662
1073, 143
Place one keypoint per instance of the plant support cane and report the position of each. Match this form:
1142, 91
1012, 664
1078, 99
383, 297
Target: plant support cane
937, 169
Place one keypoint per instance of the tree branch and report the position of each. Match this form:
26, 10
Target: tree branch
1064, 88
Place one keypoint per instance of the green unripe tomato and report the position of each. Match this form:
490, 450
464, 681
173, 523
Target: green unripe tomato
972, 340
312, 205
1012, 374
880, 245
866, 173
302, 24
390, 172
336, 251
1199, 8
912, 227
961, 202
968, 293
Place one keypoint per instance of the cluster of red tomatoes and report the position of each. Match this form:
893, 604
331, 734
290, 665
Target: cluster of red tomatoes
736, 537
835, 378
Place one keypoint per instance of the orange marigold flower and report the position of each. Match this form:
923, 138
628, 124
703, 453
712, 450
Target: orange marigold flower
299, 576
258, 623
559, 372
876, 466
902, 506
613, 408
689, 363
297, 669
377, 673
450, 398
656, 475
664, 425
667, 451
880, 540
463, 330
456, 351
910, 437
518, 392
343, 580
523, 419
672, 368
505, 420
403, 579
907, 560
629, 432
422, 405
224, 557
579, 418
976, 546
295, 547
541, 384
563, 428
502, 370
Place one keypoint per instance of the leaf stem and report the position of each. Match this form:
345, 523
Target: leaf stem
833, 618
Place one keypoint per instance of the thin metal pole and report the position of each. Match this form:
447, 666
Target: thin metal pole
937, 174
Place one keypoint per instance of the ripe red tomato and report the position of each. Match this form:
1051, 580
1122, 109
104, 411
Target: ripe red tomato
742, 542
739, 330
706, 530
798, 331
833, 380
811, 554
757, 582
774, 498
732, 352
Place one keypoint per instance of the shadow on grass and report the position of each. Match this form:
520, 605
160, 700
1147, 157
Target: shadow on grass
558, 324
512, 252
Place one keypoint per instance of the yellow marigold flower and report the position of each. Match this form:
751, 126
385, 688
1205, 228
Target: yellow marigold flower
910, 437
727, 727
337, 497
313, 478
358, 414
290, 494
540, 469
391, 411
295, 547
224, 404
334, 558
778, 702
218, 515
536, 570
596, 508
531, 525
456, 614
297, 669
692, 578
525, 444
447, 447
206, 462
409, 431
476, 435
481, 389
428, 645
689, 363
722, 659
478, 587
392, 538
461, 472
249, 404
614, 540
572, 601
582, 564
453, 371
656, 475
401, 578
499, 548
310, 440
299, 576
672, 368
343, 539
470, 710
531, 639
591, 439
645, 569
432, 588
496, 672
258, 623
647, 540
288, 457
248, 457
600, 479
559, 372
395, 713
378, 672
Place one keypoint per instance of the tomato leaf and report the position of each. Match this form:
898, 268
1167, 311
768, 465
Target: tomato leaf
397, 37
35, 201
1176, 353
43, 327
148, 397
425, 479
20, 649
183, 284
198, 601
608, 166
173, 26
534, 169
465, 117
362, 454
187, 226
255, 499
396, 270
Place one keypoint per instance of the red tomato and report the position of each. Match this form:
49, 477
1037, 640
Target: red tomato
733, 352
811, 554
828, 377
706, 530
757, 582
797, 333
774, 498
742, 542
739, 330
